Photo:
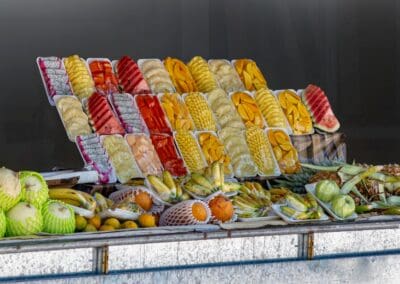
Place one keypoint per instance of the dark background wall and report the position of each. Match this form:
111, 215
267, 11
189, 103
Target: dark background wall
350, 48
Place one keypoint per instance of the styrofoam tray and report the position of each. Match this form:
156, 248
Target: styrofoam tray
198, 147
271, 216
165, 117
56, 98
276, 94
160, 95
209, 62
327, 206
265, 124
184, 95
277, 209
49, 98
197, 134
137, 169
144, 128
140, 63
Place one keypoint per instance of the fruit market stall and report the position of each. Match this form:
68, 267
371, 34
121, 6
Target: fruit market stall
191, 165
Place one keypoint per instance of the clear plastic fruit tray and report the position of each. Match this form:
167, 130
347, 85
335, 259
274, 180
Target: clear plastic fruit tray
82, 212
160, 166
112, 177
140, 63
160, 96
203, 160
165, 118
251, 94
276, 94
290, 220
119, 214
198, 133
271, 216
210, 61
328, 206
143, 125
184, 95
135, 166
56, 98
87, 69
49, 98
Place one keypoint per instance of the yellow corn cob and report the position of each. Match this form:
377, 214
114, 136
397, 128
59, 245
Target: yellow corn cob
260, 150
205, 80
270, 108
200, 112
190, 150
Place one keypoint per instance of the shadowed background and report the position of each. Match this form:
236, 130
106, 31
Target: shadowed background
349, 48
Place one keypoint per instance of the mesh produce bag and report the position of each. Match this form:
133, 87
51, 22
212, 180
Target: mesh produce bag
125, 192
181, 214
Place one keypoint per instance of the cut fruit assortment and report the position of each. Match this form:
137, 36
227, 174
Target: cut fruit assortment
247, 108
250, 74
144, 153
225, 75
176, 111
200, 111
152, 113
190, 150
205, 80
156, 76
74, 119
270, 108
180, 75
102, 118
103, 75
285, 153
121, 157
130, 77
54, 77
296, 112
127, 113
96, 157
167, 152
320, 109
81, 81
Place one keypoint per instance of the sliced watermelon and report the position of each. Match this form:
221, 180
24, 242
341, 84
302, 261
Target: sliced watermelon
321, 111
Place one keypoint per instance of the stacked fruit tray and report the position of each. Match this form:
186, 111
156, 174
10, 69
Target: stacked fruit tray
230, 122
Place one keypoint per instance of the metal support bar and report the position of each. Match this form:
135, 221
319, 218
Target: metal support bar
306, 246
100, 260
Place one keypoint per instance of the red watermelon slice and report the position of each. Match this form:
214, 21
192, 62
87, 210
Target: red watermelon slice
321, 111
